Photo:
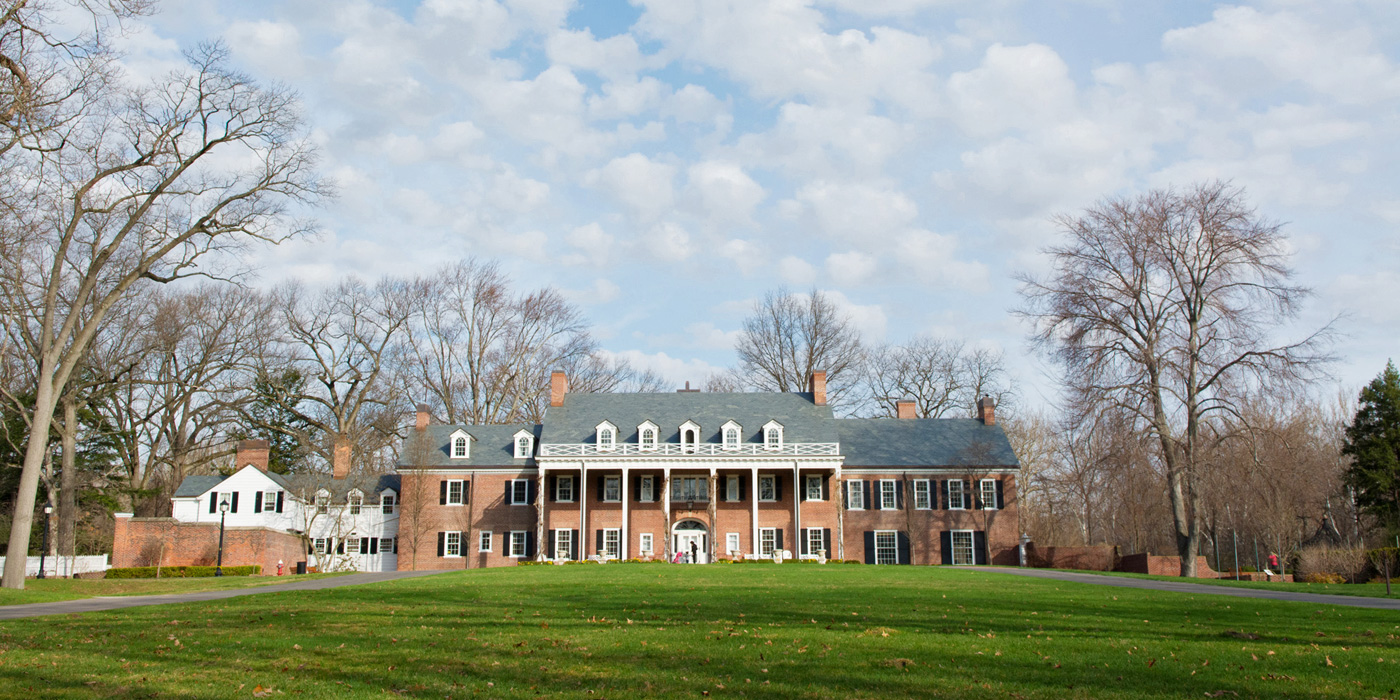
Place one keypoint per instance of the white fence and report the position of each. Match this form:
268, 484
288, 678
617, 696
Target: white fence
791, 449
63, 567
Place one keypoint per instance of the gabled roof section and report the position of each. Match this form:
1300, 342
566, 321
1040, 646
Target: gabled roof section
492, 446
927, 442
196, 486
573, 422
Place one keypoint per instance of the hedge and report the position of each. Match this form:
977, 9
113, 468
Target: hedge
181, 571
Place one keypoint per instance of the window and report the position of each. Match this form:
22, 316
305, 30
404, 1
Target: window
322, 543
459, 447
814, 487
648, 438
563, 544
564, 488
956, 498
690, 436
773, 436
922, 497
962, 548
483, 543
456, 493
322, 504
352, 545
989, 494
886, 547
731, 543
889, 494
612, 539
266, 502
767, 487
356, 501
767, 541
517, 543
646, 489
731, 438
605, 439
816, 545
519, 492
646, 544
690, 488
452, 544
522, 447
612, 489
731, 487
387, 501
388, 545
855, 495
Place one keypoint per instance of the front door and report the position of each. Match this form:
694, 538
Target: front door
693, 543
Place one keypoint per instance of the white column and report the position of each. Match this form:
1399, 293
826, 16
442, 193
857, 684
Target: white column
622, 545
714, 514
840, 493
798, 489
753, 498
581, 493
540, 541
666, 509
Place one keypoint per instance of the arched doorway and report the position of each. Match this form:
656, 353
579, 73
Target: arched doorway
692, 539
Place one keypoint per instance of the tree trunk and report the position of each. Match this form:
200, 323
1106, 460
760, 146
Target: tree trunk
68, 482
17, 552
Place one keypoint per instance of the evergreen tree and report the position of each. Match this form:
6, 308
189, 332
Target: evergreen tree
1373, 442
273, 414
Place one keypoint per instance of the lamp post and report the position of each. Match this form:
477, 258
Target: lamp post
223, 511
48, 510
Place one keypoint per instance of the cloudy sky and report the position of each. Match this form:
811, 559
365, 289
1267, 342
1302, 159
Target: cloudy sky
664, 162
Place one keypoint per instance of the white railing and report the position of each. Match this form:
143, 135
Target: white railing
791, 449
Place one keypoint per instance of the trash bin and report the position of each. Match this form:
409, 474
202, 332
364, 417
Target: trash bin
301, 567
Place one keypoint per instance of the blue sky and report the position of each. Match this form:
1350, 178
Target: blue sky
665, 162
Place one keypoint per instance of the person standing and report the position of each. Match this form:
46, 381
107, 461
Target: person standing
694, 553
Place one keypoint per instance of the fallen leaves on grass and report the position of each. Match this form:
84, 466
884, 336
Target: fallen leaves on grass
897, 663
261, 692
877, 632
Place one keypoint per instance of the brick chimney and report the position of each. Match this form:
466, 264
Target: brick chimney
254, 452
904, 410
819, 387
558, 386
422, 418
340, 459
986, 411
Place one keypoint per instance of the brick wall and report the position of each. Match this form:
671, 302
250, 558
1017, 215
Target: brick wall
138, 542
1102, 557
1162, 566
925, 527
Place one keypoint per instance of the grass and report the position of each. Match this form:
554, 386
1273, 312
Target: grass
1369, 590
623, 631
51, 590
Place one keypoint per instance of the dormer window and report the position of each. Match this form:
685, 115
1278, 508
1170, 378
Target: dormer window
355, 500
646, 436
731, 434
461, 444
690, 436
524, 444
773, 436
607, 436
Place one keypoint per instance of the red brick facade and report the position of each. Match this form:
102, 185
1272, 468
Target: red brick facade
1100, 557
169, 542
1162, 566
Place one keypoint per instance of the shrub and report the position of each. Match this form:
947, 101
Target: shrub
1347, 564
181, 571
1322, 577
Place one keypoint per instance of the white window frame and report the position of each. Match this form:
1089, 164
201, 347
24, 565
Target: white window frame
524, 445
690, 488
355, 501
460, 498
731, 434
989, 494
520, 492
269, 501
352, 544
767, 541
612, 489
559, 486
646, 544
693, 429
855, 494
923, 494
971, 548
461, 447
452, 545
815, 542
772, 481
772, 436
563, 544
484, 538
646, 438
606, 436
388, 502
321, 545
890, 547
646, 489
813, 485
518, 540
612, 542
322, 503
731, 487
889, 495
731, 543
958, 500
387, 545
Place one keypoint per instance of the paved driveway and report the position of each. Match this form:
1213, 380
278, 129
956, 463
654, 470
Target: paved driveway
1200, 588
14, 612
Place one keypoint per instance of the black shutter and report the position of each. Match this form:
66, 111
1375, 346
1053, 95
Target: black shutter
529, 545
870, 546
899, 495
466, 492
977, 495
573, 545
279, 501
845, 494
1001, 499
826, 542
945, 540
636, 488
903, 555
553, 490
741, 489
802, 535
530, 488
552, 548
599, 541
233, 507
214, 502
340, 546
395, 542
442, 544
311, 547
778, 533
943, 495
600, 489
826, 488
865, 494
979, 547
373, 544
777, 487
442, 493
510, 492
257, 501
933, 493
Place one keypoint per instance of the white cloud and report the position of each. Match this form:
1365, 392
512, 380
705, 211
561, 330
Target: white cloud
855, 211
675, 369
274, 48
613, 58
592, 245
850, 269
669, 241
869, 319
933, 260
1015, 87
641, 184
722, 192
746, 256
797, 272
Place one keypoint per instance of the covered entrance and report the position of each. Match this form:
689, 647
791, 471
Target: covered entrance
691, 540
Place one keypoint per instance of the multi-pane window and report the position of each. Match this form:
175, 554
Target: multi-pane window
522, 447
731, 487
564, 489
767, 541
456, 492
773, 438
889, 498
517, 543
322, 504
956, 496
612, 541
483, 542
648, 438
989, 494
646, 489
767, 487
815, 543
459, 447
388, 545
269, 501
322, 543
387, 502
731, 438
855, 495
352, 545
612, 488
731, 543
814, 487
519, 492
690, 488
923, 499
962, 548
563, 544
356, 501
605, 438
886, 547
452, 544
646, 543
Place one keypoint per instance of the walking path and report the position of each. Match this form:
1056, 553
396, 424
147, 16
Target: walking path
14, 612
1201, 588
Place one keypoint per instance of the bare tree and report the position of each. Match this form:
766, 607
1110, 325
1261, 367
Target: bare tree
788, 336
1163, 305
941, 376
135, 187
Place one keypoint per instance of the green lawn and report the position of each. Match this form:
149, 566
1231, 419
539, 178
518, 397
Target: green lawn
626, 631
1369, 590
55, 589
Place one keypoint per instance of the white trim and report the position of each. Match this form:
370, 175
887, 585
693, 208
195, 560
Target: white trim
963, 496
807, 480
928, 494
852, 485
646, 544
567, 551
486, 536
893, 534
972, 547
987, 504
758, 488
447, 544
692, 446
769, 443
515, 485
573, 488
529, 443
724, 433
461, 492
608, 430
655, 436
524, 544
460, 438
605, 498
890, 486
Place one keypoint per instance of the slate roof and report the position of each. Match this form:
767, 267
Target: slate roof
577, 420
492, 446
888, 442
194, 486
